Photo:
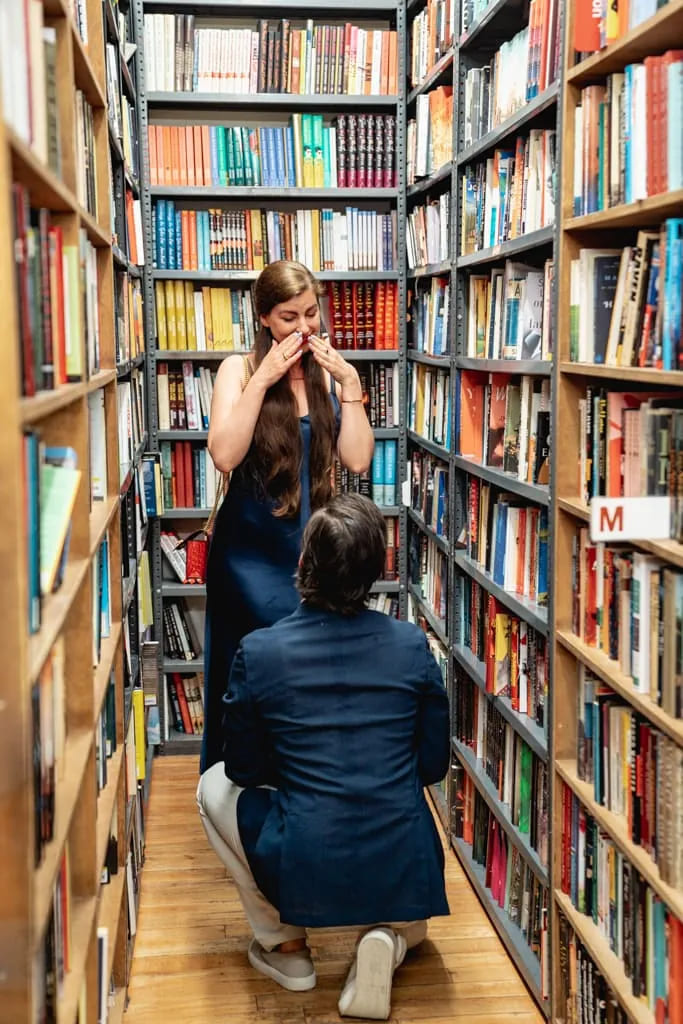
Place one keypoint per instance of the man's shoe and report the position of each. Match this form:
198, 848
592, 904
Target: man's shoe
294, 971
367, 991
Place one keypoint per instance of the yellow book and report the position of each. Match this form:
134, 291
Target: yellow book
315, 233
256, 239
208, 318
145, 614
140, 738
180, 319
501, 683
189, 317
171, 329
162, 334
229, 326
218, 319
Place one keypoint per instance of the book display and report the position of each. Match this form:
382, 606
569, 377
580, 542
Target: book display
617, 711
75, 755
296, 153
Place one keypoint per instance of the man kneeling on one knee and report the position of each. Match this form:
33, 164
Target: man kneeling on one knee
335, 719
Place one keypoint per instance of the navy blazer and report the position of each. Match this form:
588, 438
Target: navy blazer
348, 718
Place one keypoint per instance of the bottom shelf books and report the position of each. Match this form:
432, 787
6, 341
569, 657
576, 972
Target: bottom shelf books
584, 994
53, 959
602, 884
185, 698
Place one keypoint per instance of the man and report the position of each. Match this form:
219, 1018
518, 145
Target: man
335, 719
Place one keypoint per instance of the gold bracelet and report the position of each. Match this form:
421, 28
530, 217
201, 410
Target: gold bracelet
351, 401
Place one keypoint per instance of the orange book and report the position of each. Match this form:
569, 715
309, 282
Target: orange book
367, 80
393, 64
380, 301
168, 155
471, 432
152, 144
182, 154
206, 154
185, 234
198, 160
192, 232
250, 255
384, 73
189, 150
587, 26
159, 149
295, 63
175, 154
182, 702
130, 227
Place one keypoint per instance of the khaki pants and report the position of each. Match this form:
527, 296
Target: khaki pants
217, 800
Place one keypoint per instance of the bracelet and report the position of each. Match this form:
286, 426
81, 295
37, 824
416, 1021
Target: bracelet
351, 401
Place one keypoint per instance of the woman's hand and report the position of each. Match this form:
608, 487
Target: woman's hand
335, 364
280, 359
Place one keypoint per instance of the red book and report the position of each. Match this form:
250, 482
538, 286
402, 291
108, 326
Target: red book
55, 243
586, 26
182, 703
189, 475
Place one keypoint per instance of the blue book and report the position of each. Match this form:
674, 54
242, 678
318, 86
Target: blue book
170, 237
291, 160
378, 474
266, 174
155, 262
202, 479
542, 589
31, 460
390, 454
670, 307
674, 155
277, 169
161, 236
178, 241
105, 602
628, 103
501, 537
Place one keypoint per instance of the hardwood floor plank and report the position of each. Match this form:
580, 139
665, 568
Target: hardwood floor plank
190, 960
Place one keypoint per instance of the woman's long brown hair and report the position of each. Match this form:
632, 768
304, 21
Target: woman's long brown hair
276, 450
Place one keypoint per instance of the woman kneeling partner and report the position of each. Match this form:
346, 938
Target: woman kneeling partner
335, 719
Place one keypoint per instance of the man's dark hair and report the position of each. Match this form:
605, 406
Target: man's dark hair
343, 551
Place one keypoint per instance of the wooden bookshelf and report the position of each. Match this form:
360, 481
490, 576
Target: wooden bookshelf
83, 819
616, 226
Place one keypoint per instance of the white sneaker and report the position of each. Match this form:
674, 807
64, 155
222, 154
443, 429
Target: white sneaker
294, 971
367, 991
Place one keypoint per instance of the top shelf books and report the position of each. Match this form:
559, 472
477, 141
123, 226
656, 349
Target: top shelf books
300, 57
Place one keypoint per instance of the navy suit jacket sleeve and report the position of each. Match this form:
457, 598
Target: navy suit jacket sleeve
433, 723
247, 748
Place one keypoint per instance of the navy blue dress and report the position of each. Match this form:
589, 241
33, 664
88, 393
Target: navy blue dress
250, 579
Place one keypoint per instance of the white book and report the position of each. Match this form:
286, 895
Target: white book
98, 445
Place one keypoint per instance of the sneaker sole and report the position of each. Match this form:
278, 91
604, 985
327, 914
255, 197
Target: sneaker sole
369, 994
291, 984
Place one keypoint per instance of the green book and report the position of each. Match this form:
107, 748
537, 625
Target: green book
318, 163
222, 155
58, 490
236, 134
246, 156
527, 767
230, 155
307, 147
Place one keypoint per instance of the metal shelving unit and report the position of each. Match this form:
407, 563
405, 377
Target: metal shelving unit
194, 106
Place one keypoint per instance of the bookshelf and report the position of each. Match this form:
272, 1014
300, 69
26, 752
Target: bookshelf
70, 742
266, 115
470, 55
588, 670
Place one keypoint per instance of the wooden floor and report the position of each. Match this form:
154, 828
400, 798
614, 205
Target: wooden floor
190, 964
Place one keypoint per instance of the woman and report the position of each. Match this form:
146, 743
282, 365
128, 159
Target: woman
276, 435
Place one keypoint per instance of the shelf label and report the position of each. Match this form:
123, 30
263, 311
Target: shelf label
614, 519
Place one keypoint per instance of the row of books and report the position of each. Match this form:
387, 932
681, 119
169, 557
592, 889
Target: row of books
631, 445
627, 137
429, 409
509, 878
431, 36
518, 776
607, 23
363, 315
635, 771
511, 193
276, 56
131, 419
129, 334
514, 655
121, 112
326, 239
48, 697
380, 390
629, 605
428, 312
387, 604
28, 53
428, 571
582, 988
428, 232
188, 478
504, 422
203, 319
184, 395
497, 90
355, 151
429, 142
509, 312
54, 955
383, 472
180, 638
185, 694
57, 289
625, 304
429, 489
509, 540
636, 924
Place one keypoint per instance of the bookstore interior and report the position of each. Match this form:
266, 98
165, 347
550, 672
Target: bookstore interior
491, 196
